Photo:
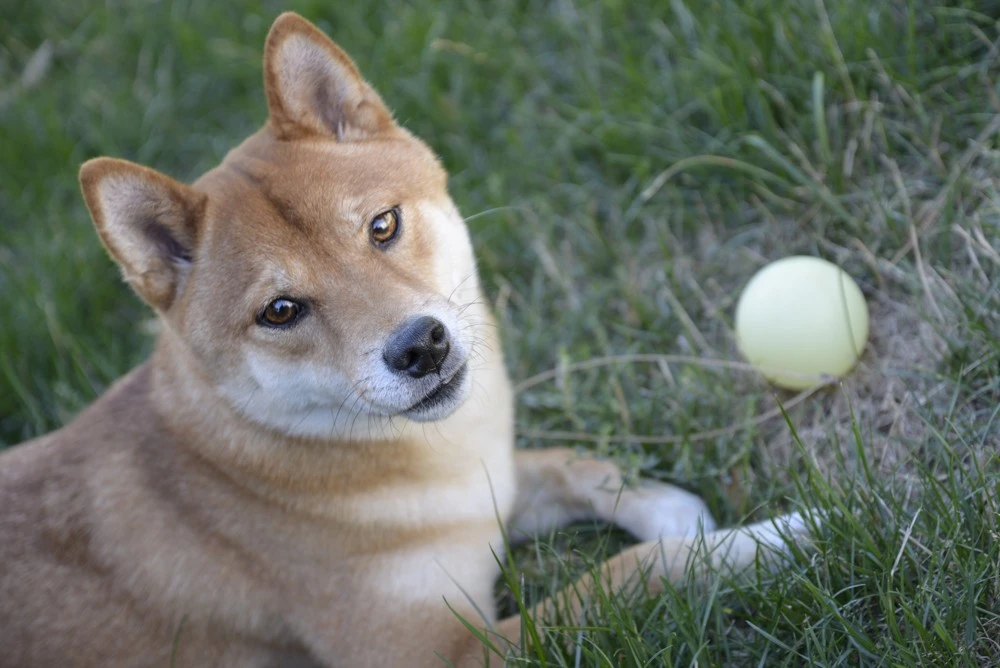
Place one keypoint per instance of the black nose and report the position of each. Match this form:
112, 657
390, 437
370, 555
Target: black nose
418, 347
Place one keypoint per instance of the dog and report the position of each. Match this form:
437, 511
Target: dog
316, 465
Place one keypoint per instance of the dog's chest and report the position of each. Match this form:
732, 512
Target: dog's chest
479, 495
413, 548
444, 525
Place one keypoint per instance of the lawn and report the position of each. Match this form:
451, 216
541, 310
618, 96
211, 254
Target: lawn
625, 168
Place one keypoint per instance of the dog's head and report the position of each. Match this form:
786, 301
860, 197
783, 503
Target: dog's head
320, 276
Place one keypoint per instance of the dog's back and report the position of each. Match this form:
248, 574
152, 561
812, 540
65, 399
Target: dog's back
54, 574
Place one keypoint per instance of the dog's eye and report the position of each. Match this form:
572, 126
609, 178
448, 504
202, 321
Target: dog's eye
385, 227
281, 312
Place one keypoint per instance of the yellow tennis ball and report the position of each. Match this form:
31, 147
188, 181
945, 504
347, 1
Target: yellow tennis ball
800, 319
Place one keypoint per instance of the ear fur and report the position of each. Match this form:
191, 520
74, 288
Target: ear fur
147, 221
313, 87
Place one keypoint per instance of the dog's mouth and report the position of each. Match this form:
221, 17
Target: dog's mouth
445, 391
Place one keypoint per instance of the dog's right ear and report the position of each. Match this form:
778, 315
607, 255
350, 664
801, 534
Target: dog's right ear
147, 221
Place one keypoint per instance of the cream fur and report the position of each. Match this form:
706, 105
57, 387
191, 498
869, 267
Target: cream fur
261, 497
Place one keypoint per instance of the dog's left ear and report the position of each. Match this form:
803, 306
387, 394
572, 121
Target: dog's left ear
313, 87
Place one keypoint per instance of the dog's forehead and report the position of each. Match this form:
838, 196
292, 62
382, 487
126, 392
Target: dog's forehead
324, 173
271, 202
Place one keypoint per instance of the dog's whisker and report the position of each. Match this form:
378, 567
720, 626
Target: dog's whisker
465, 307
460, 284
350, 433
486, 212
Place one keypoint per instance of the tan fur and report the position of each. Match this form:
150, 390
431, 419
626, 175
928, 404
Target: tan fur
252, 497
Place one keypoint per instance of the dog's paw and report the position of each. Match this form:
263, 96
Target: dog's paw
657, 510
777, 534
767, 543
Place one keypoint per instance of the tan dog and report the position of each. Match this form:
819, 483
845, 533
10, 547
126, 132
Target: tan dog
310, 468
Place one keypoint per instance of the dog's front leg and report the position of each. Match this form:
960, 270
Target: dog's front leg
645, 568
557, 486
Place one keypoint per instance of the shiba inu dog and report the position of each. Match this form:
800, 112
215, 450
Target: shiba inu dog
310, 468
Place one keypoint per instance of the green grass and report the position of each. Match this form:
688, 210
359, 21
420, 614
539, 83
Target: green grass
846, 130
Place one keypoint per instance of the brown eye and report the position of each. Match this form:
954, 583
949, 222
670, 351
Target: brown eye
280, 313
385, 227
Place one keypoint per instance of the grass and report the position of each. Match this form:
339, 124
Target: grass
626, 167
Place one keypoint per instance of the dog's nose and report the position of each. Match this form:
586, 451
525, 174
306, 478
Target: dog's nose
418, 347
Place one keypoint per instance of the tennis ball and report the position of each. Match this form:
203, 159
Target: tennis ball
801, 319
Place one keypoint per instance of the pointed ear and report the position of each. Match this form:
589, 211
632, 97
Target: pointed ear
313, 87
147, 221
